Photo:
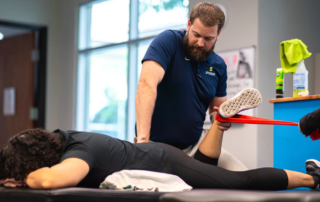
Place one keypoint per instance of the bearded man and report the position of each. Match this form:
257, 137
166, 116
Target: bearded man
181, 78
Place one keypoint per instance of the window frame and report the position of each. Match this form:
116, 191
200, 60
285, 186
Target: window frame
83, 69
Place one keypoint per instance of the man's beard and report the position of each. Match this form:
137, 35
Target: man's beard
192, 54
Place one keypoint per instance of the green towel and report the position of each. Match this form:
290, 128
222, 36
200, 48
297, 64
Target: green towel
291, 53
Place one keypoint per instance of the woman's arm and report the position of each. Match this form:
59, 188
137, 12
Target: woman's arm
68, 173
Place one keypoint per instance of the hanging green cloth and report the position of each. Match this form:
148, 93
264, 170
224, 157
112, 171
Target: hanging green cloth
291, 53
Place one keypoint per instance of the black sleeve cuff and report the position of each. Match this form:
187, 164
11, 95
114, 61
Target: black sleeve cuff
310, 122
205, 159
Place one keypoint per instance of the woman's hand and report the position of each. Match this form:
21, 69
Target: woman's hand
12, 183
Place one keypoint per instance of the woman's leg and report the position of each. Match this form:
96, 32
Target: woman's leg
226, 160
211, 152
297, 179
210, 148
211, 144
201, 175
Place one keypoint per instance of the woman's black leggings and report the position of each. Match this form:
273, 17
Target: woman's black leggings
201, 175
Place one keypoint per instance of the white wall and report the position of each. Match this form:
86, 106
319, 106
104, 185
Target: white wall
67, 72
241, 30
281, 20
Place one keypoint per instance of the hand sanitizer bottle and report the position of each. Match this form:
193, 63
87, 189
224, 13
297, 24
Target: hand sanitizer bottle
300, 79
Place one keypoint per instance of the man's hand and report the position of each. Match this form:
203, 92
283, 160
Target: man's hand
140, 140
224, 126
12, 183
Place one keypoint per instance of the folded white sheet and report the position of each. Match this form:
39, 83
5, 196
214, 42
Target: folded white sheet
141, 180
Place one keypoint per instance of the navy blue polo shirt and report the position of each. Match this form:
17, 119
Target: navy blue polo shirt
185, 92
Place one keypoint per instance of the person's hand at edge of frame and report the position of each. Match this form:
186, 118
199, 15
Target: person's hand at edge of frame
301, 131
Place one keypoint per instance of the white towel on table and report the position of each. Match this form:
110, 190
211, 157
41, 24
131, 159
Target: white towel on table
142, 180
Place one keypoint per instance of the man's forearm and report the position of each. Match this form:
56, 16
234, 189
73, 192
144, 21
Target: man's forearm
145, 102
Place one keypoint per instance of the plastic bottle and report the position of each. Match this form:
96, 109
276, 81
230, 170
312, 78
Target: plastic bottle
300, 79
279, 83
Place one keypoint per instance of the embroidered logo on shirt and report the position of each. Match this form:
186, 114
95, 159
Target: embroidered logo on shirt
211, 73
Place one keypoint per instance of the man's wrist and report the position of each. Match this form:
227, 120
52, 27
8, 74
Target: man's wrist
143, 139
213, 116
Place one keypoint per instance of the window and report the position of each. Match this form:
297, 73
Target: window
113, 38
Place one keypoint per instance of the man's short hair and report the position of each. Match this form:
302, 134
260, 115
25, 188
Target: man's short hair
209, 14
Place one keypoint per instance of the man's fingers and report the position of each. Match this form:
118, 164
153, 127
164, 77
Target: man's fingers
223, 128
224, 124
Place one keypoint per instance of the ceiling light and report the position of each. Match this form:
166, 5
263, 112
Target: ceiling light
1, 36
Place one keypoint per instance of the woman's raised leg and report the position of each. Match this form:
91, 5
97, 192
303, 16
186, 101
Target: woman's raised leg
202, 175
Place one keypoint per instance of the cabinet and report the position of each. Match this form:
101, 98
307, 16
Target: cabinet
291, 148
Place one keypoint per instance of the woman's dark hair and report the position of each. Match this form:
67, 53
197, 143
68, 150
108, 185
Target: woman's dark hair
3, 173
28, 151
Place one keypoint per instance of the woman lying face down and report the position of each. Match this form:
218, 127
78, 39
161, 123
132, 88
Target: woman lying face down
27, 152
50, 160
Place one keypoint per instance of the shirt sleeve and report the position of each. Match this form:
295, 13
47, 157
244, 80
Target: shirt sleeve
222, 85
161, 49
310, 122
80, 151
